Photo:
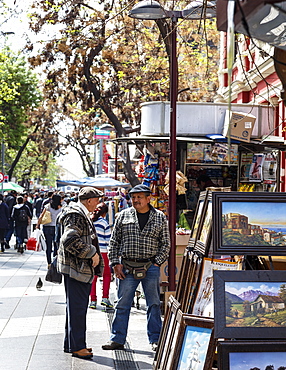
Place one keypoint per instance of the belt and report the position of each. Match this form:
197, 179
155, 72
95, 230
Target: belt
139, 259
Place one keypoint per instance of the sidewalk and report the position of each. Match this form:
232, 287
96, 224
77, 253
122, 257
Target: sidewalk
32, 323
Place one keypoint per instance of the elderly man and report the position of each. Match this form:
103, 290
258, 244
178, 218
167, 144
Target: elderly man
78, 261
139, 244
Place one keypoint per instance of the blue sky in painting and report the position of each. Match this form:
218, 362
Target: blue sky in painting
241, 287
260, 213
248, 360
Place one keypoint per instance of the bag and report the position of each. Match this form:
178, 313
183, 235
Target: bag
138, 269
22, 216
41, 240
31, 244
47, 218
53, 276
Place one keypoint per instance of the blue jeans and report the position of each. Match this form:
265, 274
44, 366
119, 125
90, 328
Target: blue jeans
126, 292
49, 232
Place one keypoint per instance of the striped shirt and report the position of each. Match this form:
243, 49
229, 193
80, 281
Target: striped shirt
103, 233
128, 241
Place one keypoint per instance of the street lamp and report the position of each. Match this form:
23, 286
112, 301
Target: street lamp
152, 10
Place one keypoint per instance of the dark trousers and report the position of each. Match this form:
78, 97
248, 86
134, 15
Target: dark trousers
21, 233
77, 297
9, 231
49, 232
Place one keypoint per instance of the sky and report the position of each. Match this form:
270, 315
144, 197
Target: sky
241, 287
258, 213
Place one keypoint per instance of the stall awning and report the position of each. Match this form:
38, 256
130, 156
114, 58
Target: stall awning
143, 139
271, 142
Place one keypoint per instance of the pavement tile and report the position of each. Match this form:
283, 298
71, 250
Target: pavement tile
32, 323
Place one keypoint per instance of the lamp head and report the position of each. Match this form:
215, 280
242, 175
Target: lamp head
148, 9
197, 10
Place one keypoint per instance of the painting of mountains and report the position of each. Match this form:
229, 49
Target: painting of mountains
255, 304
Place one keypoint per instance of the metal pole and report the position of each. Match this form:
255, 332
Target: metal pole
173, 156
100, 156
95, 171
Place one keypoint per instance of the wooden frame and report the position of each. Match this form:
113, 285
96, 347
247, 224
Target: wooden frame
167, 332
256, 355
193, 344
203, 302
249, 223
199, 214
188, 278
250, 304
204, 232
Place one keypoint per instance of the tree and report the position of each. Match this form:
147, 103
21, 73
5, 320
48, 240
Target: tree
282, 292
19, 95
101, 60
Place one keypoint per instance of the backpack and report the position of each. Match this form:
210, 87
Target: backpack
22, 216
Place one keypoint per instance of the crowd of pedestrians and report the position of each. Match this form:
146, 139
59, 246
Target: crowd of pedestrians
20, 214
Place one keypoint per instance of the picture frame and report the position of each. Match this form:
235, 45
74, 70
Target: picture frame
203, 302
167, 333
256, 355
250, 304
199, 215
249, 223
194, 343
203, 234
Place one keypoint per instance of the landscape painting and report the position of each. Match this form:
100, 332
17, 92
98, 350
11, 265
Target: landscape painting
257, 361
250, 304
255, 304
249, 223
252, 355
253, 223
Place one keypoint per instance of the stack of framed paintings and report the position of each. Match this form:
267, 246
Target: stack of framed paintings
250, 309
219, 303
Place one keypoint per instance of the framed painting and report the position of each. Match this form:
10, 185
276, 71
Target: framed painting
204, 231
199, 215
167, 334
250, 304
252, 355
249, 223
185, 275
203, 303
195, 344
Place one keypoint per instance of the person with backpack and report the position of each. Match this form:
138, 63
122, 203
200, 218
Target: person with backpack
21, 214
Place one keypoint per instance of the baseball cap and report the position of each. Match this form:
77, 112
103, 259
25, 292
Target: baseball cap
139, 189
88, 192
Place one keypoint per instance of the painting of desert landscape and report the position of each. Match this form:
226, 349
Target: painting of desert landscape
257, 361
255, 304
254, 223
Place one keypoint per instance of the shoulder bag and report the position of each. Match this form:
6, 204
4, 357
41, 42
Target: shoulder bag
47, 218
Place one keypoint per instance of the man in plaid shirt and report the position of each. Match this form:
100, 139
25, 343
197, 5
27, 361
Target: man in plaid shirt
140, 235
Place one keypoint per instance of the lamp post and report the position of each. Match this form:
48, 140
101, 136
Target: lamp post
152, 10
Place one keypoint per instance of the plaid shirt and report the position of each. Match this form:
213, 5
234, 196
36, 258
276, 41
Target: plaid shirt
128, 241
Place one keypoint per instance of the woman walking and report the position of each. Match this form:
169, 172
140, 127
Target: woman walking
49, 229
103, 233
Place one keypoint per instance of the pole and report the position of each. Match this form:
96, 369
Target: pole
100, 156
173, 155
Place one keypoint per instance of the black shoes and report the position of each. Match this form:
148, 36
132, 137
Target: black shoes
112, 345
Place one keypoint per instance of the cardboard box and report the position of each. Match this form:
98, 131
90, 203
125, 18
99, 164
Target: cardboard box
180, 249
241, 125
